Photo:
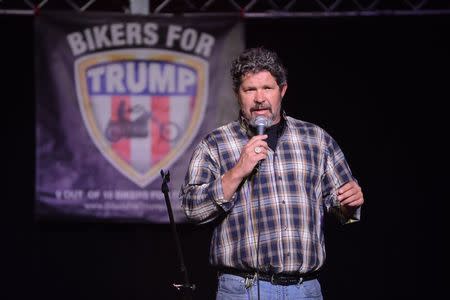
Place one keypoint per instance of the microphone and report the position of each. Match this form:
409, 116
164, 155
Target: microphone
261, 123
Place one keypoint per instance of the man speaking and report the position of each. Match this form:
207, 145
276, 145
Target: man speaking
266, 180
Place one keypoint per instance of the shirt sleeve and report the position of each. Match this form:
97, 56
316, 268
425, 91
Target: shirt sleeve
337, 173
202, 193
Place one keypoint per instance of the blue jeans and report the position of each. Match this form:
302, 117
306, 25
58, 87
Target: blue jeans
231, 287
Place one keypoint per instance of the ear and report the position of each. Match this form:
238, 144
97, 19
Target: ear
283, 89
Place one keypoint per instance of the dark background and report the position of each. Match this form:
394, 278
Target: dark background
378, 85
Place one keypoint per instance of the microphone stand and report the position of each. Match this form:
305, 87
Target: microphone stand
185, 288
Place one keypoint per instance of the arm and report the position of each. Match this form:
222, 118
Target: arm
342, 194
201, 194
206, 194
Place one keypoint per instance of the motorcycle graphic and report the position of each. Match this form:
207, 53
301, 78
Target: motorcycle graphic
138, 127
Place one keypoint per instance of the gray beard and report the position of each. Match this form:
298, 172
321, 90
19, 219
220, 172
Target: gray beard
252, 122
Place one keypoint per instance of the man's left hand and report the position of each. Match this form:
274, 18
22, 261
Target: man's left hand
350, 195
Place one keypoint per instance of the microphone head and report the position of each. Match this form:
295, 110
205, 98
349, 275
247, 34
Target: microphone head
261, 123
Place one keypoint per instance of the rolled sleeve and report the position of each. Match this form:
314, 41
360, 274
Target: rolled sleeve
202, 193
335, 209
337, 173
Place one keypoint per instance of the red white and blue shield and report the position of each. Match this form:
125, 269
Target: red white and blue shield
142, 107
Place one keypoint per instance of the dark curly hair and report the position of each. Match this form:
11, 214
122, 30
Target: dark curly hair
255, 60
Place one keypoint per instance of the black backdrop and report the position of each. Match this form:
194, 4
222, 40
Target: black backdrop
377, 84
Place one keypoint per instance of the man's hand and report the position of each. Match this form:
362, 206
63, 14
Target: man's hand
350, 195
255, 150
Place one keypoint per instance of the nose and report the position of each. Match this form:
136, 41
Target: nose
259, 97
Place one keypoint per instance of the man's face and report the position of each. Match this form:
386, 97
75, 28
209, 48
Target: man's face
259, 94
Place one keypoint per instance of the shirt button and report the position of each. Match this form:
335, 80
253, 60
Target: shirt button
284, 227
279, 177
283, 202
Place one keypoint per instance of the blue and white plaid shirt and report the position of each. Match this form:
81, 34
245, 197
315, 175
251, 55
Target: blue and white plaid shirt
284, 201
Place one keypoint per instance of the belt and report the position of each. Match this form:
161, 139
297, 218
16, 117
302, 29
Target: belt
274, 278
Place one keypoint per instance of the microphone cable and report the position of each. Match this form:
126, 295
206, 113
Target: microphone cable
258, 231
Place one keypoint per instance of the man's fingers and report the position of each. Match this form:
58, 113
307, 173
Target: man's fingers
347, 194
257, 144
257, 138
348, 186
353, 200
350, 194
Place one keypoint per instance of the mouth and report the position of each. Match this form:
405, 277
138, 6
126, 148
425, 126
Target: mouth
260, 111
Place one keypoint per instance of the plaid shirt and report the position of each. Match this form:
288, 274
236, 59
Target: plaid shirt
284, 201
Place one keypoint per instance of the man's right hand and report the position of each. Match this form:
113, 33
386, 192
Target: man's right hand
249, 156
255, 150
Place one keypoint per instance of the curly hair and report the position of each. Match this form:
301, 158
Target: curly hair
255, 60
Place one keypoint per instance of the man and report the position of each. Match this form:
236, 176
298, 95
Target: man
268, 192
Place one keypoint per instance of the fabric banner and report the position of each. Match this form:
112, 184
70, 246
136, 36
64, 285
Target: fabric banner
120, 98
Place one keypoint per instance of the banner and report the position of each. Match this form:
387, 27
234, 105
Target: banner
120, 98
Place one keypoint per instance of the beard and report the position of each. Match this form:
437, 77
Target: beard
252, 120
270, 116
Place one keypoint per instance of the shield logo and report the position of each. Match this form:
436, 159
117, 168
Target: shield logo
141, 107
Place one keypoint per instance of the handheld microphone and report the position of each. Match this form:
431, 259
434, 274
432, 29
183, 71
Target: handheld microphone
261, 123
